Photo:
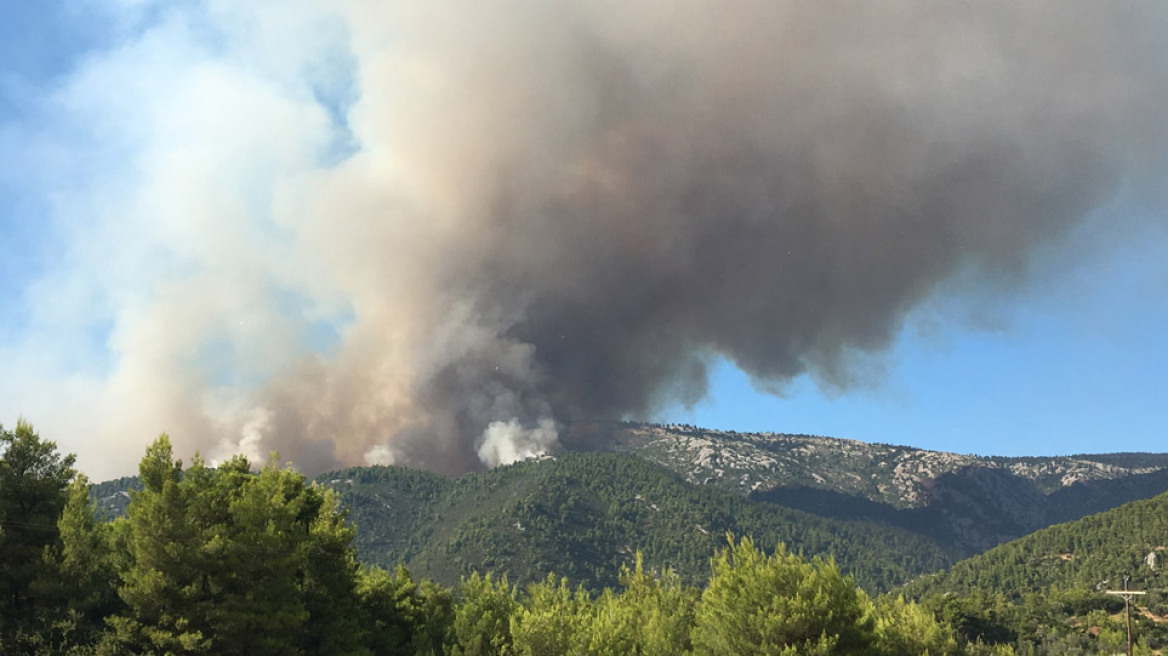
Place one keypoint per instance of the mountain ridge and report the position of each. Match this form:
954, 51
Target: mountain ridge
586, 515
752, 456
1090, 553
569, 513
968, 502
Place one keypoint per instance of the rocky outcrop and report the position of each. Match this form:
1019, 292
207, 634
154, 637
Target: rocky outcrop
971, 502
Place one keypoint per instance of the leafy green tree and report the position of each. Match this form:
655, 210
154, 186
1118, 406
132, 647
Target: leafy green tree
166, 578
329, 575
404, 617
79, 589
780, 604
482, 617
553, 619
387, 603
228, 561
977, 618
252, 543
434, 613
33, 478
652, 615
904, 628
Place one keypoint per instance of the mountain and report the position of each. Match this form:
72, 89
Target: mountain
113, 497
886, 513
585, 515
1049, 590
966, 502
1092, 553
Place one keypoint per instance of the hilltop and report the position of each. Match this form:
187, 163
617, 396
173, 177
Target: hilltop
968, 502
585, 515
1050, 588
1093, 553
887, 513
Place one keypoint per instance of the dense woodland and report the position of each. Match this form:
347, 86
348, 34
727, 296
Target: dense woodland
584, 515
964, 504
1033, 584
233, 560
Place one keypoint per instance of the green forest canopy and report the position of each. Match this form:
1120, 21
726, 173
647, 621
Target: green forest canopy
230, 560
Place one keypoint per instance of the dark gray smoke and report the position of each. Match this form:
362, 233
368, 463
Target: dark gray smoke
776, 183
562, 211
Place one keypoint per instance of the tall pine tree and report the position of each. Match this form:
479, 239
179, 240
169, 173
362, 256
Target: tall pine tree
33, 478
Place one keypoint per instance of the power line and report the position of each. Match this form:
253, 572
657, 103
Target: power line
30, 527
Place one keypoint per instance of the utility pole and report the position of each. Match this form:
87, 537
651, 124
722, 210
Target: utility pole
1127, 597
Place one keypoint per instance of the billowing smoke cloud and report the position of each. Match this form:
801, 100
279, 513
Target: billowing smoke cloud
429, 233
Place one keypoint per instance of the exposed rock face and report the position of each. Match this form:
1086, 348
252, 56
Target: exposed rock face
966, 503
971, 502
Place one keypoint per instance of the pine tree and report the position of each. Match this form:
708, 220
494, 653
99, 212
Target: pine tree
404, 617
33, 478
228, 561
553, 619
165, 577
903, 627
482, 617
79, 588
330, 577
651, 616
779, 604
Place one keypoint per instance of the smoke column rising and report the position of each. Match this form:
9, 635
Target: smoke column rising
517, 214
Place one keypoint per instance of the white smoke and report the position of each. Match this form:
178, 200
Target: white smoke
503, 443
380, 454
250, 443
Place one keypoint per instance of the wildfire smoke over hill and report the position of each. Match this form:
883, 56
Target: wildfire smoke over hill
427, 233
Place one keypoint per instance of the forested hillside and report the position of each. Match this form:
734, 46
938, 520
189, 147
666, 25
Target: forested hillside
113, 497
1048, 586
585, 515
234, 560
968, 503
1092, 553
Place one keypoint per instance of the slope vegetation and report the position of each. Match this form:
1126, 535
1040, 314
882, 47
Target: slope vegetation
969, 503
1093, 553
585, 515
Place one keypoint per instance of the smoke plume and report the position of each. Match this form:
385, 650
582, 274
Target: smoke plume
430, 233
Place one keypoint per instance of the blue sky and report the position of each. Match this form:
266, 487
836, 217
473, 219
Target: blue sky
1071, 360
1076, 362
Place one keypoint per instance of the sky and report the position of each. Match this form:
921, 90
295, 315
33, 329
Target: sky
1075, 365
431, 234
